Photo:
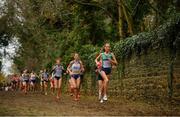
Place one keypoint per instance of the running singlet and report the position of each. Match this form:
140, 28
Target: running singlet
25, 76
58, 70
45, 75
13, 78
16, 78
76, 67
33, 77
105, 60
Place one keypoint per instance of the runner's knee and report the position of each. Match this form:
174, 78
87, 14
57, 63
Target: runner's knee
73, 87
106, 80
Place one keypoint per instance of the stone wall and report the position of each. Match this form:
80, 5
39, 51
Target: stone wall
146, 76
176, 76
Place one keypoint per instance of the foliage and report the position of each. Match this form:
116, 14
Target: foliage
163, 37
2, 77
47, 29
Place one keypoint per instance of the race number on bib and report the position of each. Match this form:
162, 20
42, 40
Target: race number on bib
106, 64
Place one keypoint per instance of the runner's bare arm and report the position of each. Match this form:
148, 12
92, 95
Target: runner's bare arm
96, 60
82, 66
53, 68
113, 60
68, 68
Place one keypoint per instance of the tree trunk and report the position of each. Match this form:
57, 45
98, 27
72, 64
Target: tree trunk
128, 18
120, 22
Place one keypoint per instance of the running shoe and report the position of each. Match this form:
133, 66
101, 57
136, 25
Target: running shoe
105, 98
101, 101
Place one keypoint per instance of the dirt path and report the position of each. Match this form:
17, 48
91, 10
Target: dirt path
16, 103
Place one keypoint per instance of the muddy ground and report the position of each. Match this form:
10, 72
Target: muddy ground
17, 103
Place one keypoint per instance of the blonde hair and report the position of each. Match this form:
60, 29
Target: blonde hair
77, 55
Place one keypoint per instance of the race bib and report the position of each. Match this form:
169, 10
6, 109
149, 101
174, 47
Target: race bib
106, 64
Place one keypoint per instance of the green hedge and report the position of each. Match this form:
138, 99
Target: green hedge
165, 36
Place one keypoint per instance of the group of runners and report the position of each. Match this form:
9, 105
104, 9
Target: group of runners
104, 62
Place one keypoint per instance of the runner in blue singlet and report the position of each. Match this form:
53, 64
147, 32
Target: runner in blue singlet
45, 77
25, 80
32, 81
58, 70
75, 68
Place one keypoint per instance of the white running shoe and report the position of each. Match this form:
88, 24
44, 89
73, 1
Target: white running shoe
105, 98
101, 101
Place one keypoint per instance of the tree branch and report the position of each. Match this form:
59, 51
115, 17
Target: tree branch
134, 10
156, 10
94, 5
